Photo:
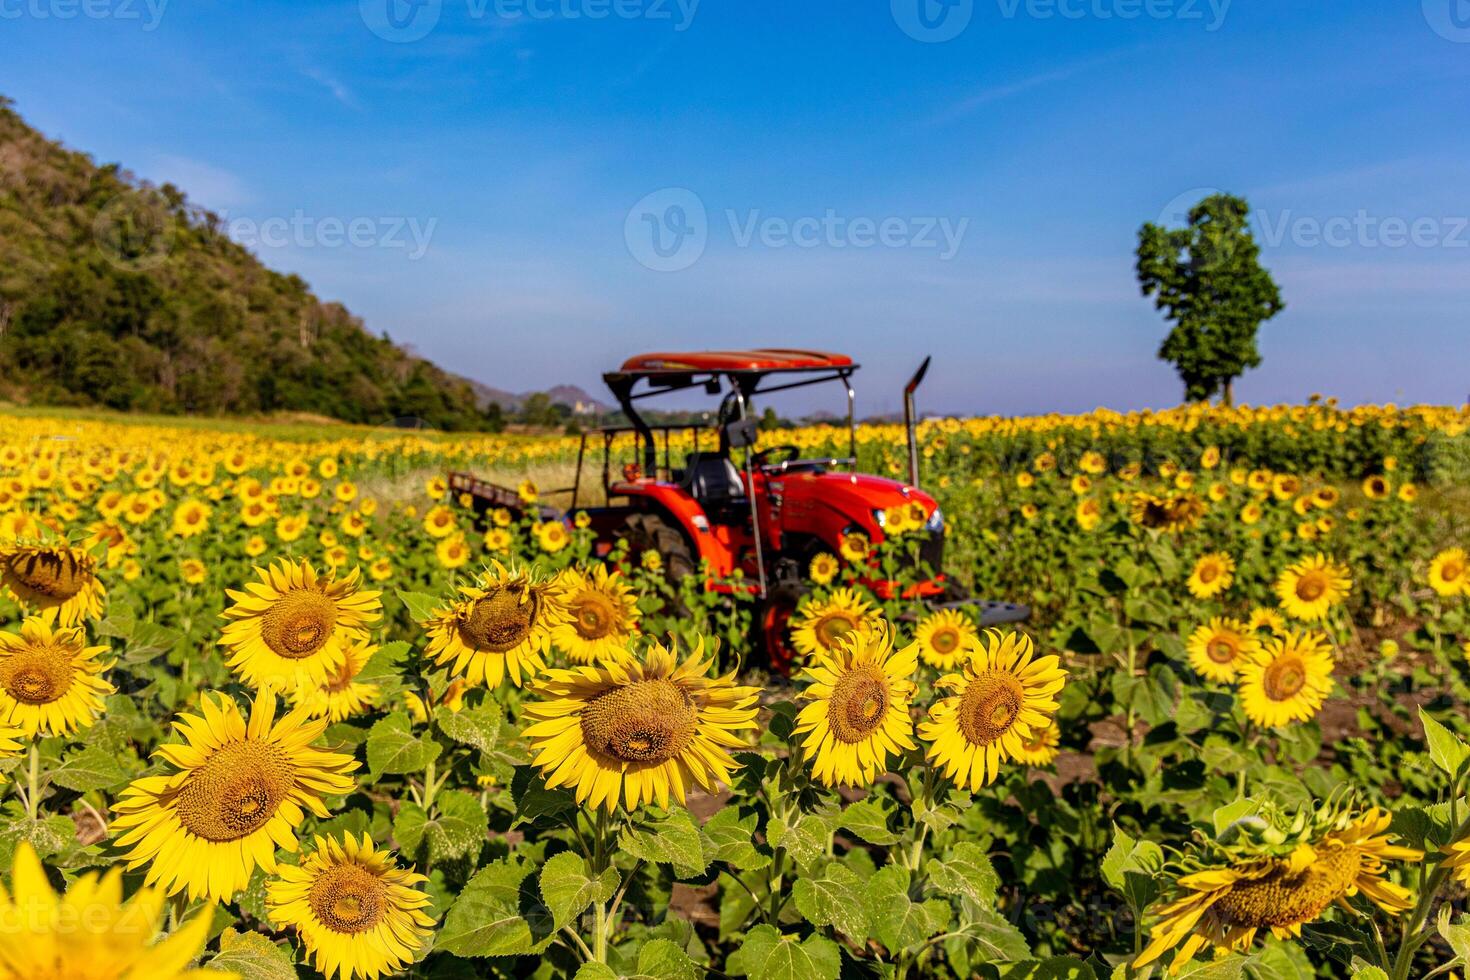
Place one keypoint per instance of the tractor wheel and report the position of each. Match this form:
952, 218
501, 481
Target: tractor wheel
774, 624
650, 532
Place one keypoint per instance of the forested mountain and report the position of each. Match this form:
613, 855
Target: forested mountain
117, 293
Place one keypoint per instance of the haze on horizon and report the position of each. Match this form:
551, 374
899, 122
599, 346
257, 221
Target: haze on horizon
542, 191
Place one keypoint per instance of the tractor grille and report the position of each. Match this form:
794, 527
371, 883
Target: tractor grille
931, 553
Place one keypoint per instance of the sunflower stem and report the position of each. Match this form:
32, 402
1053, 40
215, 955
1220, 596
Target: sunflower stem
600, 864
33, 791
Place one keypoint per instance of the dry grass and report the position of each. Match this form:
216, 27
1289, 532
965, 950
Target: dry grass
409, 486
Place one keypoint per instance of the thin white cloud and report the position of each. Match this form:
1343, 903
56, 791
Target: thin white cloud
339, 91
1007, 90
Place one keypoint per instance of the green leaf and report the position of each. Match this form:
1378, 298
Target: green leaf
729, 836
767, 955
897, 921
1457, 934
835, 899
1228, 814
869, 820
1053, 968
568, 886
392, 747
805, 840
251, 956
534, 801
477, 727
596, 971
48, 835
91, 768
456, 829
499, 913
421, 607
1447, 750
1130, 867
966, 872
672, 840
386, 666
660, 959
1369, 973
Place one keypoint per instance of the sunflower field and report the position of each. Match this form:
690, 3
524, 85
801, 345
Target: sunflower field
274, 703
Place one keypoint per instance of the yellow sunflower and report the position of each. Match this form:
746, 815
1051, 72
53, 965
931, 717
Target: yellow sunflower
1212, 575
293, 626
1309, 589
1262, 618
453, 552
603, 615
45, 577
1218, 648
237, 793
1458, 860
857, 713
1449, 572
501, 626
943, 637
552, 536
820, 624
1225, 897
855, 547
823, 567
50, 680
357, 912
639, 731
1287, 679
341, 695
91, 932
1178, 512
1004, 694
1375, 487
13, 742
1041, 747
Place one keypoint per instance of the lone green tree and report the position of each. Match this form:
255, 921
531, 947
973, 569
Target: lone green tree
1208, 280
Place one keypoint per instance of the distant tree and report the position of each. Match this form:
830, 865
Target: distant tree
1208, 280
770, 421
538, 410
494, 417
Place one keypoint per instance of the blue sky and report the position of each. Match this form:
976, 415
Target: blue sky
828, 174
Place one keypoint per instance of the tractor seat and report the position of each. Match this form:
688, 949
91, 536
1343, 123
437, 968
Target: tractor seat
712, 477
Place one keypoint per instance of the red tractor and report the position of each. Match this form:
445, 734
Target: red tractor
766, 512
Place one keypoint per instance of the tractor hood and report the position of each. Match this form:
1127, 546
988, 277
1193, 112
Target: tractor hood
856, 497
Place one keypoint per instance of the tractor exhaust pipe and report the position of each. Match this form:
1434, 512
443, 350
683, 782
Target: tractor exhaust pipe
910, 422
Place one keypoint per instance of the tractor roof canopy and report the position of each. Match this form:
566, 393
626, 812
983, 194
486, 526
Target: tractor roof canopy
762, 361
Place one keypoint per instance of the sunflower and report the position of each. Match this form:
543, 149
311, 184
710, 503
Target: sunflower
1449, 572
341, 695
501, 625
1004, 694
823, 567
1375, 487
1089, 514
453, 552
356, 911
12, 742
637, 731
50, 680
44, 577
1212, 575
943, 637
603, 613
1262, 618
1217, 649
1457, 859
236, 795
857, 712
552, 536
191, 518
1041, 748
90, 931
819, 625
1178, 512
1287, 679
855, 547
1226, 895
1309, 589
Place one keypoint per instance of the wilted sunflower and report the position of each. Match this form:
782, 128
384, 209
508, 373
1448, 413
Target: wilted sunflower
819, 625
943, 637
293, 627
502, 625
603, 615
857, 712
50, 680
1449, 572
1309, 589
236, 796
358, 913
45, 577
1218, 648
1286, 679
1004, 694
341, 695
1178, 512
90, 931
1212, 575
1228, 893
639, 731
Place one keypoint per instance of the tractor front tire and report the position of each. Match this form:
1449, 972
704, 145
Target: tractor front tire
650, 532
773, 625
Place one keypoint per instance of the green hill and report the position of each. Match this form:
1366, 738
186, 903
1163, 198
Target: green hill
117, 293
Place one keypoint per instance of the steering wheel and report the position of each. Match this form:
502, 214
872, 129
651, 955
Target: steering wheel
763, 457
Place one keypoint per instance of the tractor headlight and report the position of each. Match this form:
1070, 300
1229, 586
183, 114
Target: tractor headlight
935, 523
880, 518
